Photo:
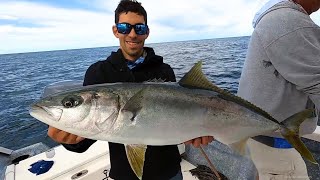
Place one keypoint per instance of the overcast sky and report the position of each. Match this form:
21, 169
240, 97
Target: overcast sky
41, 25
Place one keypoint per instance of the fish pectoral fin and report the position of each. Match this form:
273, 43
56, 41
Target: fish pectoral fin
103, 123
241, 147
134, 104
136, 157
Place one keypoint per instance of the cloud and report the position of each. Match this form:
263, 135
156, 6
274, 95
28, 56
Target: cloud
7, 17
30, 26
47, 28
185, 20
195, 18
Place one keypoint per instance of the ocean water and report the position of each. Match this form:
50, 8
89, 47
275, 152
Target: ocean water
24, 76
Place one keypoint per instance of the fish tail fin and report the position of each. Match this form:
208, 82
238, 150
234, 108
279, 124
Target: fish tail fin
290, 131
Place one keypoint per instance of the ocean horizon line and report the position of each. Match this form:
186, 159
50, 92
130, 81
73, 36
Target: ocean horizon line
147, 44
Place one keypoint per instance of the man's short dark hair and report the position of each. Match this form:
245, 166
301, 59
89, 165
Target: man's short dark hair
126, 6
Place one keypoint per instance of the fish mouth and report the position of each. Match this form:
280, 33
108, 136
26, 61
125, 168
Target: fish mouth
46, 114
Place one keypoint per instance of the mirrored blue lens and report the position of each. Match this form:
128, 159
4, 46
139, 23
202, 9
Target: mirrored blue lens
125, 28
141, 29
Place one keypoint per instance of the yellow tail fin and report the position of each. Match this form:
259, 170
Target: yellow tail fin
290, 131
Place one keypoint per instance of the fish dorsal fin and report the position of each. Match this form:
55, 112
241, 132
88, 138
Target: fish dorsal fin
155, 80
196, 79
136, 157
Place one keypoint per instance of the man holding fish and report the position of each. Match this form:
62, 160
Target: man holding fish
156, 114
131, 63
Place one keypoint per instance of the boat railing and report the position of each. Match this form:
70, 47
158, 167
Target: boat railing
5, 151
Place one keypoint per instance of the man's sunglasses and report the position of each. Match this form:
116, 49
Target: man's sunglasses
125, 28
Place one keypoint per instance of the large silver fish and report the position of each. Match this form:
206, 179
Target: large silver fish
163, 114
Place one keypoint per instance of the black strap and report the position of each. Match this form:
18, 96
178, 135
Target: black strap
269, 141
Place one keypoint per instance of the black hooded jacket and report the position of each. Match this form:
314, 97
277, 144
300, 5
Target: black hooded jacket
162, 162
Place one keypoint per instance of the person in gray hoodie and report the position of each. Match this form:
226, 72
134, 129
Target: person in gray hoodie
281, 75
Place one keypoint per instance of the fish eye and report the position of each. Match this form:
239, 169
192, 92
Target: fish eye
72, 101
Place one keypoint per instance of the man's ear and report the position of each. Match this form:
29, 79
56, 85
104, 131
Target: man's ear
115, 31
148, 33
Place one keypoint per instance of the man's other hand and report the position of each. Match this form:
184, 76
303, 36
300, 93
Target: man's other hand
204, 140
63, 137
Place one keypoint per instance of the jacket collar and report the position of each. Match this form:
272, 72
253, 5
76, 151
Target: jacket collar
264, 9
118, 60
274, 5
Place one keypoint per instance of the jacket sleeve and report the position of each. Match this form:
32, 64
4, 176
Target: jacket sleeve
168, 73
93, 76
299, 61
81, 147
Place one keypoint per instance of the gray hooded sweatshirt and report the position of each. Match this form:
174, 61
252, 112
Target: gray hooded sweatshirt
281, 73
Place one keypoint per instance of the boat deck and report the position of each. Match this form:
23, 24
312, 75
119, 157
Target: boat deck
95, 163
90, 165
